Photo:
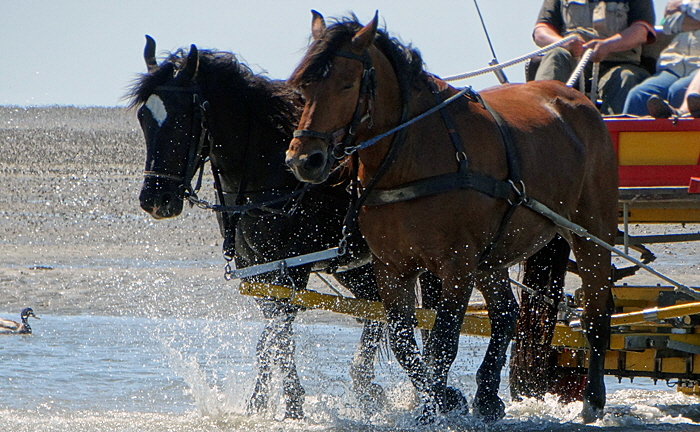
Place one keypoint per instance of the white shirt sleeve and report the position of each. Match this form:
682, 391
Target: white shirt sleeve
673, 23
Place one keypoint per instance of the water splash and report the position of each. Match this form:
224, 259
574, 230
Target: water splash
206, 398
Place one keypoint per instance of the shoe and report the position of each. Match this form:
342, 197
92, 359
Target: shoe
693, 100
659, 108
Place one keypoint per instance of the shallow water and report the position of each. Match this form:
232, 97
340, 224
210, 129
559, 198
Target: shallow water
99, 373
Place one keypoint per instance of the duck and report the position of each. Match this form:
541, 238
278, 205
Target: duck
12, 327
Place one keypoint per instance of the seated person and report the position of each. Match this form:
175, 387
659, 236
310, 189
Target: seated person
614, 30
690, 105
677, 64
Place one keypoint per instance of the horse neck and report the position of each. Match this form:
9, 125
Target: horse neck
388, 112
246, 148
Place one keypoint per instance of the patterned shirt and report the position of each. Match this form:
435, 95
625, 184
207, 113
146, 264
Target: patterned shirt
600, 19
682, 56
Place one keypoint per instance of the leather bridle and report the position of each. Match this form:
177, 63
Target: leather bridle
198, 142
368, 86
199, 145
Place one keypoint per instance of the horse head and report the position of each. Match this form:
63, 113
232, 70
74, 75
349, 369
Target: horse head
170, 113
337, 79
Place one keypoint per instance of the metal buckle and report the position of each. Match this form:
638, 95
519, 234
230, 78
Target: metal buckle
520, 193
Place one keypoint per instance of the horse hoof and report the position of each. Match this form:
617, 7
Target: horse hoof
428, 416
294, 411
257, 403
371, 395
589, 413
455, 400
490, 411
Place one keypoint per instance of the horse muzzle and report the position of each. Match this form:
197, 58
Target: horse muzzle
161, 197
312, 163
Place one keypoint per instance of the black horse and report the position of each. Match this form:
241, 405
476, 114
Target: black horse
201, 105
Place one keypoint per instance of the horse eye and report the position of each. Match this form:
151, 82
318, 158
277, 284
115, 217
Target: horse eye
348, 86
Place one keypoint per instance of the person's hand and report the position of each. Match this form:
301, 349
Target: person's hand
600, 49
575, 47
673, 6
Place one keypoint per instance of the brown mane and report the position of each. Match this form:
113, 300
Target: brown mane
405, 59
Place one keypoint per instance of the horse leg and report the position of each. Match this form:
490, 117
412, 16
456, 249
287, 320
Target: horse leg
503, 313
430, 287
276, 346
362, 367
285, 349
363, 284
595, 271
398, 297
263, 351
443, 343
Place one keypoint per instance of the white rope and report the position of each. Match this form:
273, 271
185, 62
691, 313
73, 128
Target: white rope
511, 62
579, 67
594, 82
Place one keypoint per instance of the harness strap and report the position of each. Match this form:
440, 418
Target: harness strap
485, 184
464, 178
452, 131
513, 160
512, 156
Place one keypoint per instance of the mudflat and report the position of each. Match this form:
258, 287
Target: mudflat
73, 239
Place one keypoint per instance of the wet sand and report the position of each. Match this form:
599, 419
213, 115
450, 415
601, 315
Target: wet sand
73, 239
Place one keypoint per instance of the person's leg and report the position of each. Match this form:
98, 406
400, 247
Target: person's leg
693, 88
693, 102
616, 83
677, 91
657, 85
557, 64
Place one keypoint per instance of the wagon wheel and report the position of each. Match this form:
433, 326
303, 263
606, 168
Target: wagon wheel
533, 365
532, 356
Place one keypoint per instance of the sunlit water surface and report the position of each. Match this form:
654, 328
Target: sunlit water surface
94, 373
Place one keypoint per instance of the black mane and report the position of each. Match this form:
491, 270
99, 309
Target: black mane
406, 60
222, 72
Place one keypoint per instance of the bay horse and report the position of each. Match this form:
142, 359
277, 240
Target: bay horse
457, 209
206, 104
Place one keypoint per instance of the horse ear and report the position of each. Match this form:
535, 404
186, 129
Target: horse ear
364, 38
190, 70
318, 25
149, 54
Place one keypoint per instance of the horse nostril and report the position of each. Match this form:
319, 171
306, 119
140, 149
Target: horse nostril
165, 200
314, 161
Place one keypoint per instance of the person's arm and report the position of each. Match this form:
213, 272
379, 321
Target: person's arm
545, 34
629, 38
682, 16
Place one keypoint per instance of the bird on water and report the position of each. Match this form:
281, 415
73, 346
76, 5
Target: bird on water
13, 327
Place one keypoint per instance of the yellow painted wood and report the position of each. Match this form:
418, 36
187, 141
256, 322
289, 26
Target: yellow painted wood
637, 297
670, 215
659, 148
660, 313
692, 390
640, 361
475, 323
673, 365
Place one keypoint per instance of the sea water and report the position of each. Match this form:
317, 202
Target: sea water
97, 373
